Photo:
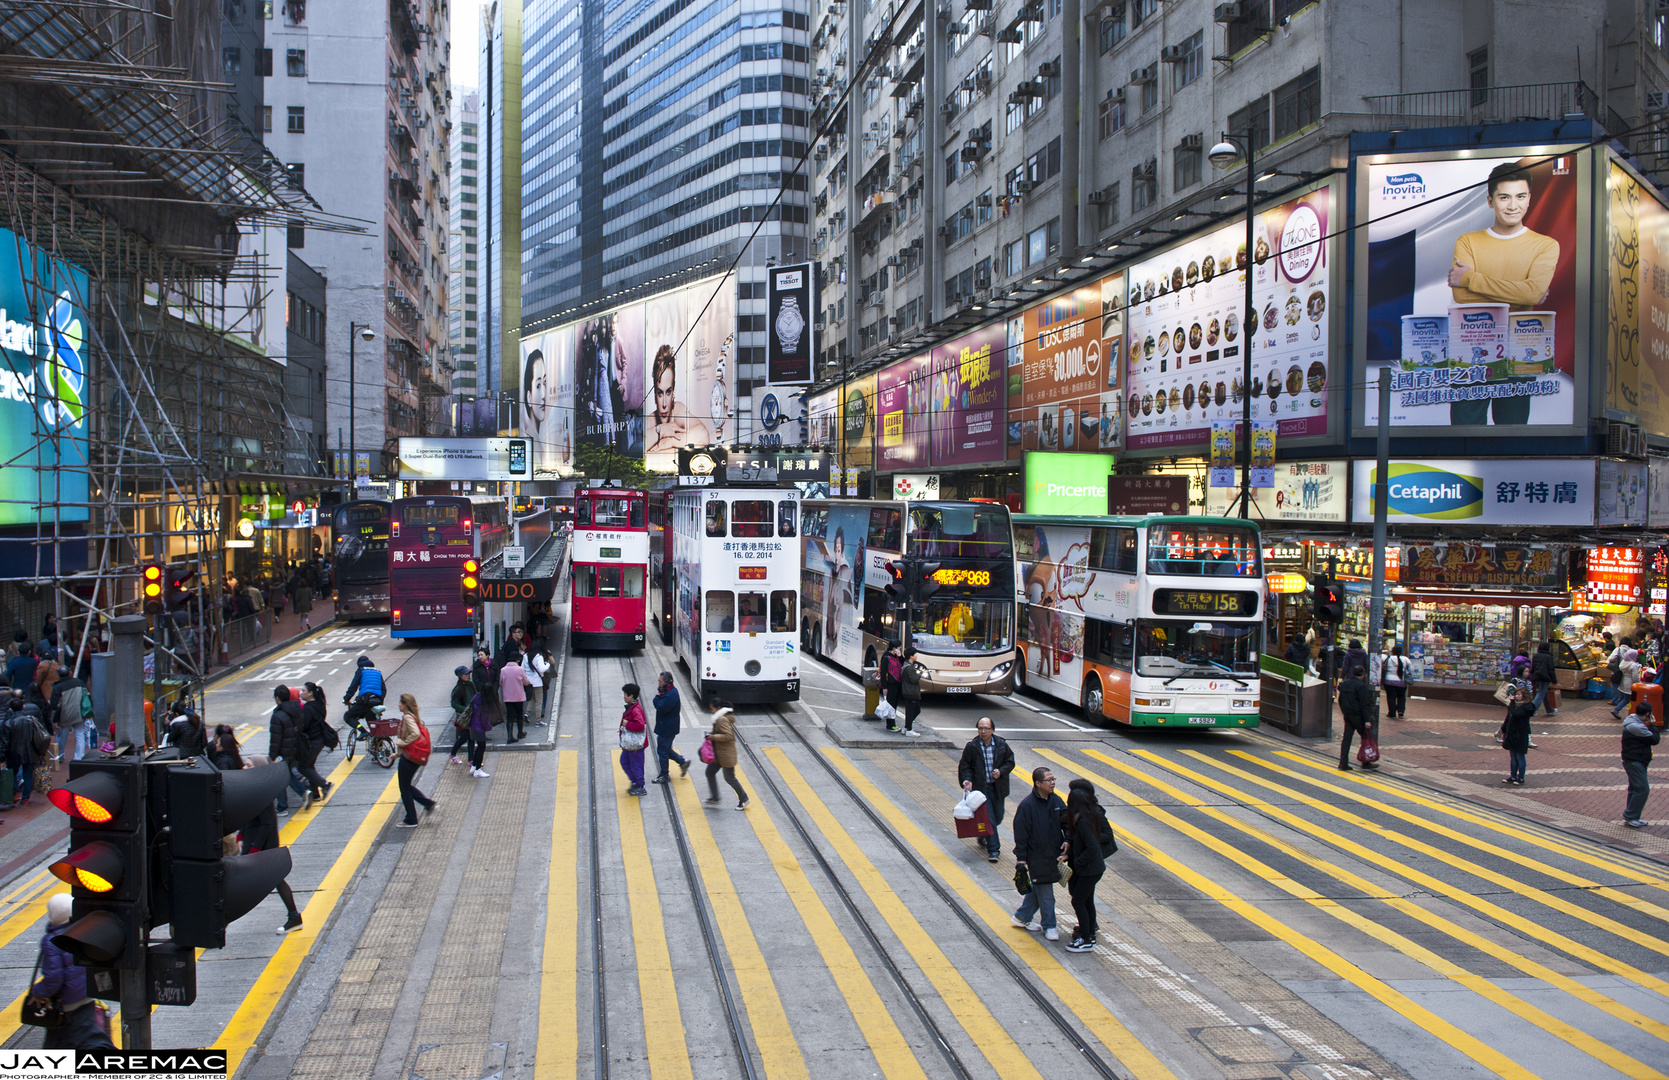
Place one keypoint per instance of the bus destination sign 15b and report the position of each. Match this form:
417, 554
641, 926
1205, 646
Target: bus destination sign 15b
1204, 602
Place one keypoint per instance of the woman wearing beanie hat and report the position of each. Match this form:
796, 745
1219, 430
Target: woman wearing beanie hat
61, 980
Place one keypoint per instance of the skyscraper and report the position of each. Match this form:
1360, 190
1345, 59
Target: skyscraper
501, 202
464, 247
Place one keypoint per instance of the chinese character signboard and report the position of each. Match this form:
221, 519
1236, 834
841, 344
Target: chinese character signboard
1616, 575
1495, 565
1141, 495
1547, 491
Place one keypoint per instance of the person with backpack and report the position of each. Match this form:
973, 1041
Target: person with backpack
284, 742
73, 706
1395, 677
30, 740
414, 745
1089, 842
316, 734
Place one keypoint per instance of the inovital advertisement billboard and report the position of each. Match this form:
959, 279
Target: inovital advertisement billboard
1556, 491
1186, 326
44, 385
1073, 484
640, 381
1475, 300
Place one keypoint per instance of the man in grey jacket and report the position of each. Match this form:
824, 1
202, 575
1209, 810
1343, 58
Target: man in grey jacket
1639, 736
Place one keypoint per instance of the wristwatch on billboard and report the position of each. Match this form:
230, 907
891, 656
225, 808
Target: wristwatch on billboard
790, 324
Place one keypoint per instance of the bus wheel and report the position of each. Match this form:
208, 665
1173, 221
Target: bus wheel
817, 641
1019, 669
1092, 701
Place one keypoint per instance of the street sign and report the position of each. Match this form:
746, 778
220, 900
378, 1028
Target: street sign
515, 558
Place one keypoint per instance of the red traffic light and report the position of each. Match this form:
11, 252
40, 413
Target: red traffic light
94, 797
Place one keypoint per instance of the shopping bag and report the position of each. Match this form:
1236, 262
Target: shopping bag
976, 827
964, 810
885, 710
706, 752
1368, 754
1503, 691
1553, 697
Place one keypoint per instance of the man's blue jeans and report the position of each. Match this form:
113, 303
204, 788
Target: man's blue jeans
1041, 898
665, 754
297, 784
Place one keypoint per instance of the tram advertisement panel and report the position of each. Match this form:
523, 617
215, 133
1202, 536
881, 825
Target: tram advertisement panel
841, 558
967, 399
1186, 327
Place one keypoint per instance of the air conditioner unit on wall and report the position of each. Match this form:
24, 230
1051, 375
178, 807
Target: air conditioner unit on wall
1173, 54
1142, 75
1100, 198
1227, 13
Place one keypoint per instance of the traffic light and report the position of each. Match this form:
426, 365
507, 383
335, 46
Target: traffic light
105, 867
1329, 601
471, 582
898, 585
927, 580
208, 891
177, 586
151, 588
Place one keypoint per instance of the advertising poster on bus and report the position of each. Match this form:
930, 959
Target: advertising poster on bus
904, 414
1471, 271
1070, 353
1060, 589
1186, 329
967, 399
1637, 302
837, 567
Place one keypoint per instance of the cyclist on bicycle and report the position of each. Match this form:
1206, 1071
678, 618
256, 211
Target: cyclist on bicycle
368, 684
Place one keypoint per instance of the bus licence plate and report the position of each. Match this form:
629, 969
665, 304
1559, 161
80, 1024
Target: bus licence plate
1202, 719
959, 689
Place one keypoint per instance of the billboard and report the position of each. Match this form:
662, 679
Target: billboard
1637, 301
792, 341
904, 415
1303, 491
858, 422
1622, 493
640, 381
1074, 484
1473, 297
44, 385
966, 422
1069, 352
466, 459
1550, 491
1187, 328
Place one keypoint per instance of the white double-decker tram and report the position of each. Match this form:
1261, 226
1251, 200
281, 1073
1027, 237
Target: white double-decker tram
736, 588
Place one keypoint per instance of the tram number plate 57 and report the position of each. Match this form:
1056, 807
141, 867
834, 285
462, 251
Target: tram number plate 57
959, 689
1202, 719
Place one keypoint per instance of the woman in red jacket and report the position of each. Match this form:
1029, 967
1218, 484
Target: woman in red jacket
634, 736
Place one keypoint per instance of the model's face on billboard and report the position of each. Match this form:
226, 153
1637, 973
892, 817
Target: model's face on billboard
1510, 202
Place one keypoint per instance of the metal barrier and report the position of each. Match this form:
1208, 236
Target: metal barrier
239, 636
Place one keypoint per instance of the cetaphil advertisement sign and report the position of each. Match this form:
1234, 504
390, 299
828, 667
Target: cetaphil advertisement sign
1504, 491
43, 385
1067, 483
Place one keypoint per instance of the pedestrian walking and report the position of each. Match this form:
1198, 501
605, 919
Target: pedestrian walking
1544, 677
1395, 675
186, 732
413, 743
480, 722
301, 595
1356, 706
462, 692
985, 767
1089, 842
485, 680
1354, 654
723, 737
513, 684
1040, 847
634, 736
62, 983
910, 679
540, 672
314, 738
27, 747
1515, 732
73, 708
224, 751
284, 742
669, 719
262, 834
1624, 664
1639, 736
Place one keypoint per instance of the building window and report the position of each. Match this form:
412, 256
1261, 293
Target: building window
1112, 28
1192, 64
1142, 9
295, 62
1144, 186
298, 120
1109, 205
266, 61
231, 58
1043, 243
1252, 121
266, 117
297, 172
1298, 103
1014, 258
1111, 111
1477, 63
295, 235
1185, 163
1150, 96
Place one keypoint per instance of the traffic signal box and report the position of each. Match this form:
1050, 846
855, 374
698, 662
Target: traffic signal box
151, 588
1329, 601
209, 890
177, 586
927, 580
106, 864
470, 584
898, 585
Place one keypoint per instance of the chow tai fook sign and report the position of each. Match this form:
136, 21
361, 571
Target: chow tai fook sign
1482, 491
1535, 566
1616, 575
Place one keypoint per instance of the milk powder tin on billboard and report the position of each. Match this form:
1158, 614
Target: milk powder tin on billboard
1530, 343
1478, 335
1425, 342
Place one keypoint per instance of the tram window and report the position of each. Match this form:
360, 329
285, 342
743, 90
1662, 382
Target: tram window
1101, 549
782, 611
585, 580
608, 583
753, 613
885, 529
612, 511
633, 583
634, 513
785, 517
1124, 556
715, 517
721, 611
582, 511
751, 517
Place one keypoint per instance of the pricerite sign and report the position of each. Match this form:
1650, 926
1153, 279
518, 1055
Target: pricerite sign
1067, 483
1557, 491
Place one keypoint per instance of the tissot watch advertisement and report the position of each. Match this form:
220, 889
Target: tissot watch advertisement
791, 343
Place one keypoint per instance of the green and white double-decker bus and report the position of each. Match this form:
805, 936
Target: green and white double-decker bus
1148, 621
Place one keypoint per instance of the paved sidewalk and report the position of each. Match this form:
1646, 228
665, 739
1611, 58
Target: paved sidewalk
1574, 779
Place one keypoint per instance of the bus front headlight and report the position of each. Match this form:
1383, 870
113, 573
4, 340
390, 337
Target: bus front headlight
999, 671
1156, 703
1245, 703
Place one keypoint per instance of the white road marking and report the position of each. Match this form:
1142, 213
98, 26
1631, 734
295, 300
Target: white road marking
1023, 703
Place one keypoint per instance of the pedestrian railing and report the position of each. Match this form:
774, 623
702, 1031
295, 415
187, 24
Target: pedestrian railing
239, 636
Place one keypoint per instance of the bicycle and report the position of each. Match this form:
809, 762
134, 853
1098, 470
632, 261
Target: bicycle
379, 736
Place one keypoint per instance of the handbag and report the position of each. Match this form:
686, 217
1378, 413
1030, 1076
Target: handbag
706, 753
1553, 697
1503, 691
1022, 881
633, 740
1368, 753
37, 1011
419, 750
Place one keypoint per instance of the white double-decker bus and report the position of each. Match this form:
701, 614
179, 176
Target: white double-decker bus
735, 584
1149, 621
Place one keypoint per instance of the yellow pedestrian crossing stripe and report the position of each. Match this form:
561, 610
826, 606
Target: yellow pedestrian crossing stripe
556, 1057
669, 1058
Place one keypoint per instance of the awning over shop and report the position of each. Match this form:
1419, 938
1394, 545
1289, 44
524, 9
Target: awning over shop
1493, 599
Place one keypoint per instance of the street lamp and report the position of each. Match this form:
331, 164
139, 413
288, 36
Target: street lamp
1229, 149
356, 331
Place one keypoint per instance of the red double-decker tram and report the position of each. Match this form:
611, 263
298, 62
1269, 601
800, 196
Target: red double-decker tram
610, 568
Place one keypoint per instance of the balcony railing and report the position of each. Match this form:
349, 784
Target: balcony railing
1480, 105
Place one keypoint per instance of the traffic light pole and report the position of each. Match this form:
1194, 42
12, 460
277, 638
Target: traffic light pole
129, 670
1376, 616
